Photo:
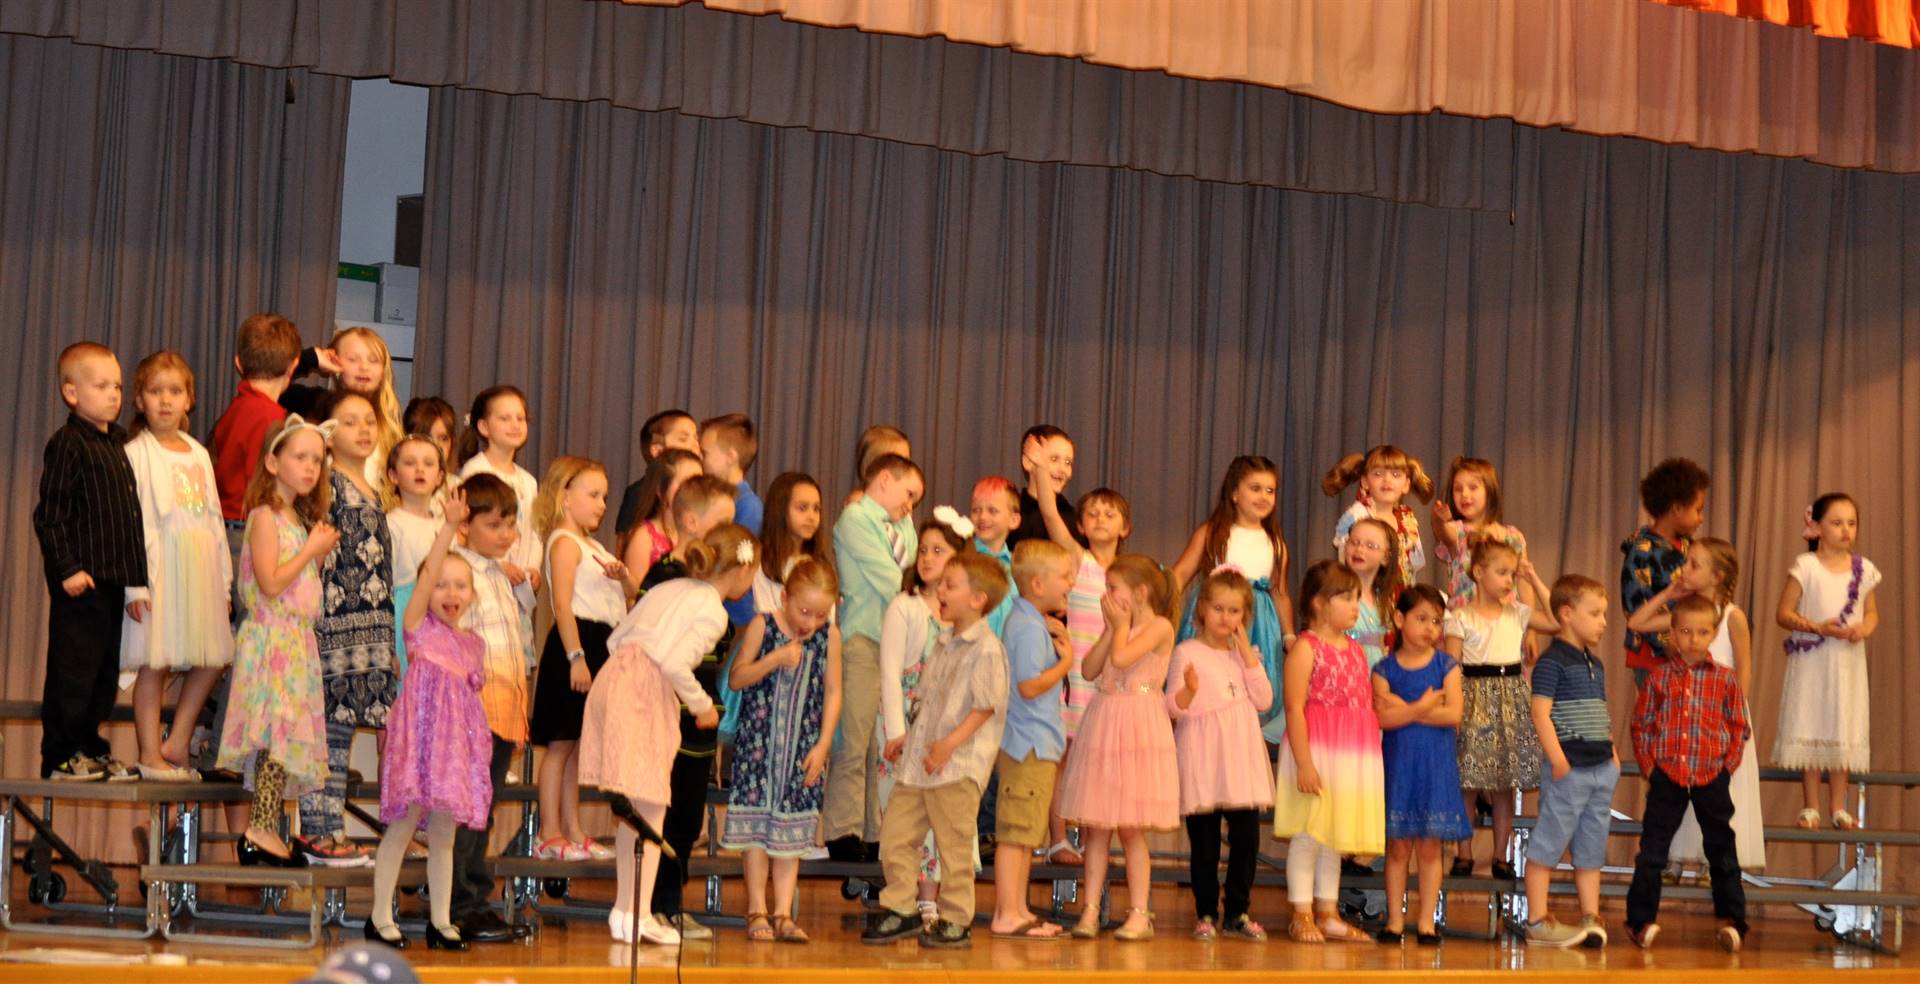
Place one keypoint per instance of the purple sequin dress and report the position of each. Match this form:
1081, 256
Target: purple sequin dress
438, 743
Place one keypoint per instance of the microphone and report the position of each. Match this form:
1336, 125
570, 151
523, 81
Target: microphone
623, 809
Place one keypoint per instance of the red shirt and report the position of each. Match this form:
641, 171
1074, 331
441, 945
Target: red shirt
1690, 721
237, 440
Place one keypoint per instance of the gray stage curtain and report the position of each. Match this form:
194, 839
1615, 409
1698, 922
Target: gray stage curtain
1758, 315
146, 201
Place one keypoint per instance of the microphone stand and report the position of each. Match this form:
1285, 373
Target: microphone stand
624, 811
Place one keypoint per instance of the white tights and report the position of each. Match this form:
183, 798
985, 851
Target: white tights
624, 840
1313, 871
393, 853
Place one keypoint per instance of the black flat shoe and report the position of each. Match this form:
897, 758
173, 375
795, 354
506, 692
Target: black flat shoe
1503, 871
437, 940
399, 941
252, 854
1462, 868
1389, 936
1427, 939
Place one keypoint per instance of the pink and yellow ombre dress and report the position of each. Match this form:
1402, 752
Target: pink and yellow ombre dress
1349, 814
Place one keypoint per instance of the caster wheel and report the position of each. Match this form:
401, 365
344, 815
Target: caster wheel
555, 888
47, 889
1823, 923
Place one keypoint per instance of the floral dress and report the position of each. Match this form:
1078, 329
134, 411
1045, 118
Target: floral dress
770, 805
355, 630
275, 704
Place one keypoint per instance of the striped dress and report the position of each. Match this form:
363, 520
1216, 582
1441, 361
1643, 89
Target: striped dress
1084, 625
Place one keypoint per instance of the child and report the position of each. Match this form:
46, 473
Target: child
267, 351
1712, 569
727, 449
1416, 695
1470, 508
88, 522
788, 676
648, 534
1386, 474
944, 759
1046, 459
1674, 494
1371, 545
355, 627
1105, 521
665, 431
1828, 604
648, 698
1581, 766
432, 418
1037, 660
1689, 731
416, 477
1126, 776
438, 743
497, 433
877, 440
792, 534
275, 729
183, 624
907, 632
994, 508
1328, 797
588, 590
1244, 532
1499, 752
366, 368
873, 541
1223, 687
502, 617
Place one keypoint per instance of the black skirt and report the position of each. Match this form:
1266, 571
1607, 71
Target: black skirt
557, 707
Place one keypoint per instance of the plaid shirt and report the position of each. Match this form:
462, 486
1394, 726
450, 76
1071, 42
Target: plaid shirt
1690, 721
499, 619
1651, 560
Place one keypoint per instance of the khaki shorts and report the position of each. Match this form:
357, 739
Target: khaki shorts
1026, 792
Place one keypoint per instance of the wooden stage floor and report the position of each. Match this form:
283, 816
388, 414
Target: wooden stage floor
1785, 947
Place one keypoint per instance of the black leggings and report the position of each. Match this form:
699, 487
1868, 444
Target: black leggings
1243, 840
681, 828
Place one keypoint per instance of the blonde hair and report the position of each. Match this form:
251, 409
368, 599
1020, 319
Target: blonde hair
1032, 558
547, 508
153, 365
386, 406
719, 552
813, 574
1725, 562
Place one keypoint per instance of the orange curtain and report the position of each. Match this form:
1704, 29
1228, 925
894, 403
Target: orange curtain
1895, 22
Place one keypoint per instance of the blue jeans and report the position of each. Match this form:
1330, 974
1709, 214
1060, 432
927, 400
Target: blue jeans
1577, 811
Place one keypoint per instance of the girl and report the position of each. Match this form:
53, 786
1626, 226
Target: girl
416, 475
652, 534
1106, 520
631, 728
1386, 474
1328, 789
1417, 697
181, 622
275, 730
1223, 760
908, 630
434, 419
497, 431
1371, 545
790, 533
438, 743
1712, 570
1125, 776
588, 590
355, 628
366, 368
1470, 508
1828, 604
787, 673
1499, 752
1243, 532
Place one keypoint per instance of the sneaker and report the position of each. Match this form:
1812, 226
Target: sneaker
886, 927
1643, 937
1730, 938
1203, 928
690, 931
78, 768
1596, 932
1549, 932
1243, 927
944, 935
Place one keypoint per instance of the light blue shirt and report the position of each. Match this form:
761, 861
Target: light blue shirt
1033, 726
997, 619
869, 576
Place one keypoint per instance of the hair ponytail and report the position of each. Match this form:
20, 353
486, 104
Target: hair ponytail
720, 552
470, 442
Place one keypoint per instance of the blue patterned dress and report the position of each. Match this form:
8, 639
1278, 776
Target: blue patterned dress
770, 806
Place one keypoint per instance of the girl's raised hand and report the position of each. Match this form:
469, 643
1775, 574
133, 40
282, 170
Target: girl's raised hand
1192, 679
1111, 609
323, 538
1243, 641
1442, 515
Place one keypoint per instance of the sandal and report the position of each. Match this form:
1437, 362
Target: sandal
1842, 820
1089, 928
1337, 930
759, 930
1809, 819
1202, 928
1126, 935
1063, 853
1033, 931
1304, 930
785, 930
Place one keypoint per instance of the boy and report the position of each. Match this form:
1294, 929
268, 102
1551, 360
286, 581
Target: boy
1045, 449
1580, 765
873, 541
1689, 730
667, 429
944, 760
497, 617
1038, 658
727, 450
994, 508
95, 552
703, 503
267, 353
1674, 493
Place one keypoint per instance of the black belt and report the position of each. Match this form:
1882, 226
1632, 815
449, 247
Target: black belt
1496, 670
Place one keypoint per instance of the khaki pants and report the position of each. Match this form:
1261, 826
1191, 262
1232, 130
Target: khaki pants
949, 811
852, 803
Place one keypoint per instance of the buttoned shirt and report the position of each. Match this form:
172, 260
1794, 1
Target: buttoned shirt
1690, 721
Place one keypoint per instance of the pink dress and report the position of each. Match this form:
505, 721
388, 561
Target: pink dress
438, 742
1084, 625
1123, 772
1349, 814
1222, 755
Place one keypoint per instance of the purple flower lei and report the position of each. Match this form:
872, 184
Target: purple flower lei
1796, 646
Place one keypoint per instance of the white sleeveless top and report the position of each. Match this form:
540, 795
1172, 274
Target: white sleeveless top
1251, 552
1721, 648
596, 597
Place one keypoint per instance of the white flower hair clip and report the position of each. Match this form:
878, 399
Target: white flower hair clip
949, 517
296, 424
743, 554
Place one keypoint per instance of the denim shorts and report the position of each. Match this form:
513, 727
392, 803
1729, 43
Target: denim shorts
1576, 811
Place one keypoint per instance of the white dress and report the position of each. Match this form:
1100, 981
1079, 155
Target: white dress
189, 569
1749, 836
1823, 715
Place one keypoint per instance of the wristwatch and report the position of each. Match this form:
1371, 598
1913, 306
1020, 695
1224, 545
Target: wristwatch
573, 655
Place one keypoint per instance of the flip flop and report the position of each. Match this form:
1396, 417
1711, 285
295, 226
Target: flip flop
1026, 931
